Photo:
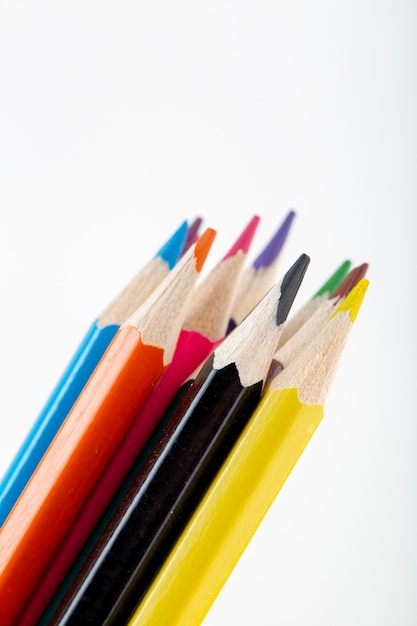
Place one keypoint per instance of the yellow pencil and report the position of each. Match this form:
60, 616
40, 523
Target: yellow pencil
256, 469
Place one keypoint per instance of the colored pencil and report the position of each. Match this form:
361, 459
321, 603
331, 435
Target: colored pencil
181, 466
207, 313
249, 481
25, 619
296, 320
311, 326
95, 426
259, 277
206, 318
79, 370
355, 275
192, 234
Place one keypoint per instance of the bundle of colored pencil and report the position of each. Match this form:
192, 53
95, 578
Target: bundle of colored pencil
169, 435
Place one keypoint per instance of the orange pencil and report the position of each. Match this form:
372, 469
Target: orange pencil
62, 482
205, 323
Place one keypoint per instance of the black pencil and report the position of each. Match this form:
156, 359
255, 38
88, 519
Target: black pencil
105, 519
181, 466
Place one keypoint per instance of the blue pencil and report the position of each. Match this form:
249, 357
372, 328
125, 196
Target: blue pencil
80, 368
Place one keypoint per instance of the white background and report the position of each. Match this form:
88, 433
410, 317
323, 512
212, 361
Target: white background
119, 120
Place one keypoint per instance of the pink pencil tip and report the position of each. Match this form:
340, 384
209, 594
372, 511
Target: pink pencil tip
244, 240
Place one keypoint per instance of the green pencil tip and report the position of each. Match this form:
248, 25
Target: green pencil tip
335, 279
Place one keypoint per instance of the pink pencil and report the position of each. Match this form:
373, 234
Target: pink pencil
206, 320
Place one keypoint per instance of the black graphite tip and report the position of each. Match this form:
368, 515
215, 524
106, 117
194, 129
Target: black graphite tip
289, 287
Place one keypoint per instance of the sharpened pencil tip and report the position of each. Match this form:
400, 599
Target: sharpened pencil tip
289, 287
353, 300
335, 279
244, 240
271, 251
352, 279
192, 234
171, 250
275, 368
202, 247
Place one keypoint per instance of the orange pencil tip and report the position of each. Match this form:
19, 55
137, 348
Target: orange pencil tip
202, 247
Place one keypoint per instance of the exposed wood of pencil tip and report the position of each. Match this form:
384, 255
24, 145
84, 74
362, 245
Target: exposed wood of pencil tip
134, 294
252, 344
144, 282
298, 340
209, 309
297, 321
257, 279
299, 318
172, 294
323, 310
312, 370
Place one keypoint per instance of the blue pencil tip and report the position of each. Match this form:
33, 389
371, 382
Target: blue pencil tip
171, 250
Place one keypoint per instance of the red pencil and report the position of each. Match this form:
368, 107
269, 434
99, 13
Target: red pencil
62, 482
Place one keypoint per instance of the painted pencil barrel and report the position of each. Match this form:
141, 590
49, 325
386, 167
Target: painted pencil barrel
53, 414
230, 512
164, 495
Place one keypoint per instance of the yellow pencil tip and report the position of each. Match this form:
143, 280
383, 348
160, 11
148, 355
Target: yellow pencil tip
353, 300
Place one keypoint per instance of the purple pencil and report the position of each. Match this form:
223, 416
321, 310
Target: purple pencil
259, 277
192, 234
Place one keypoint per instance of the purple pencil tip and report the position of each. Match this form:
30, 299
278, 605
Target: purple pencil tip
192, 234
274, 247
